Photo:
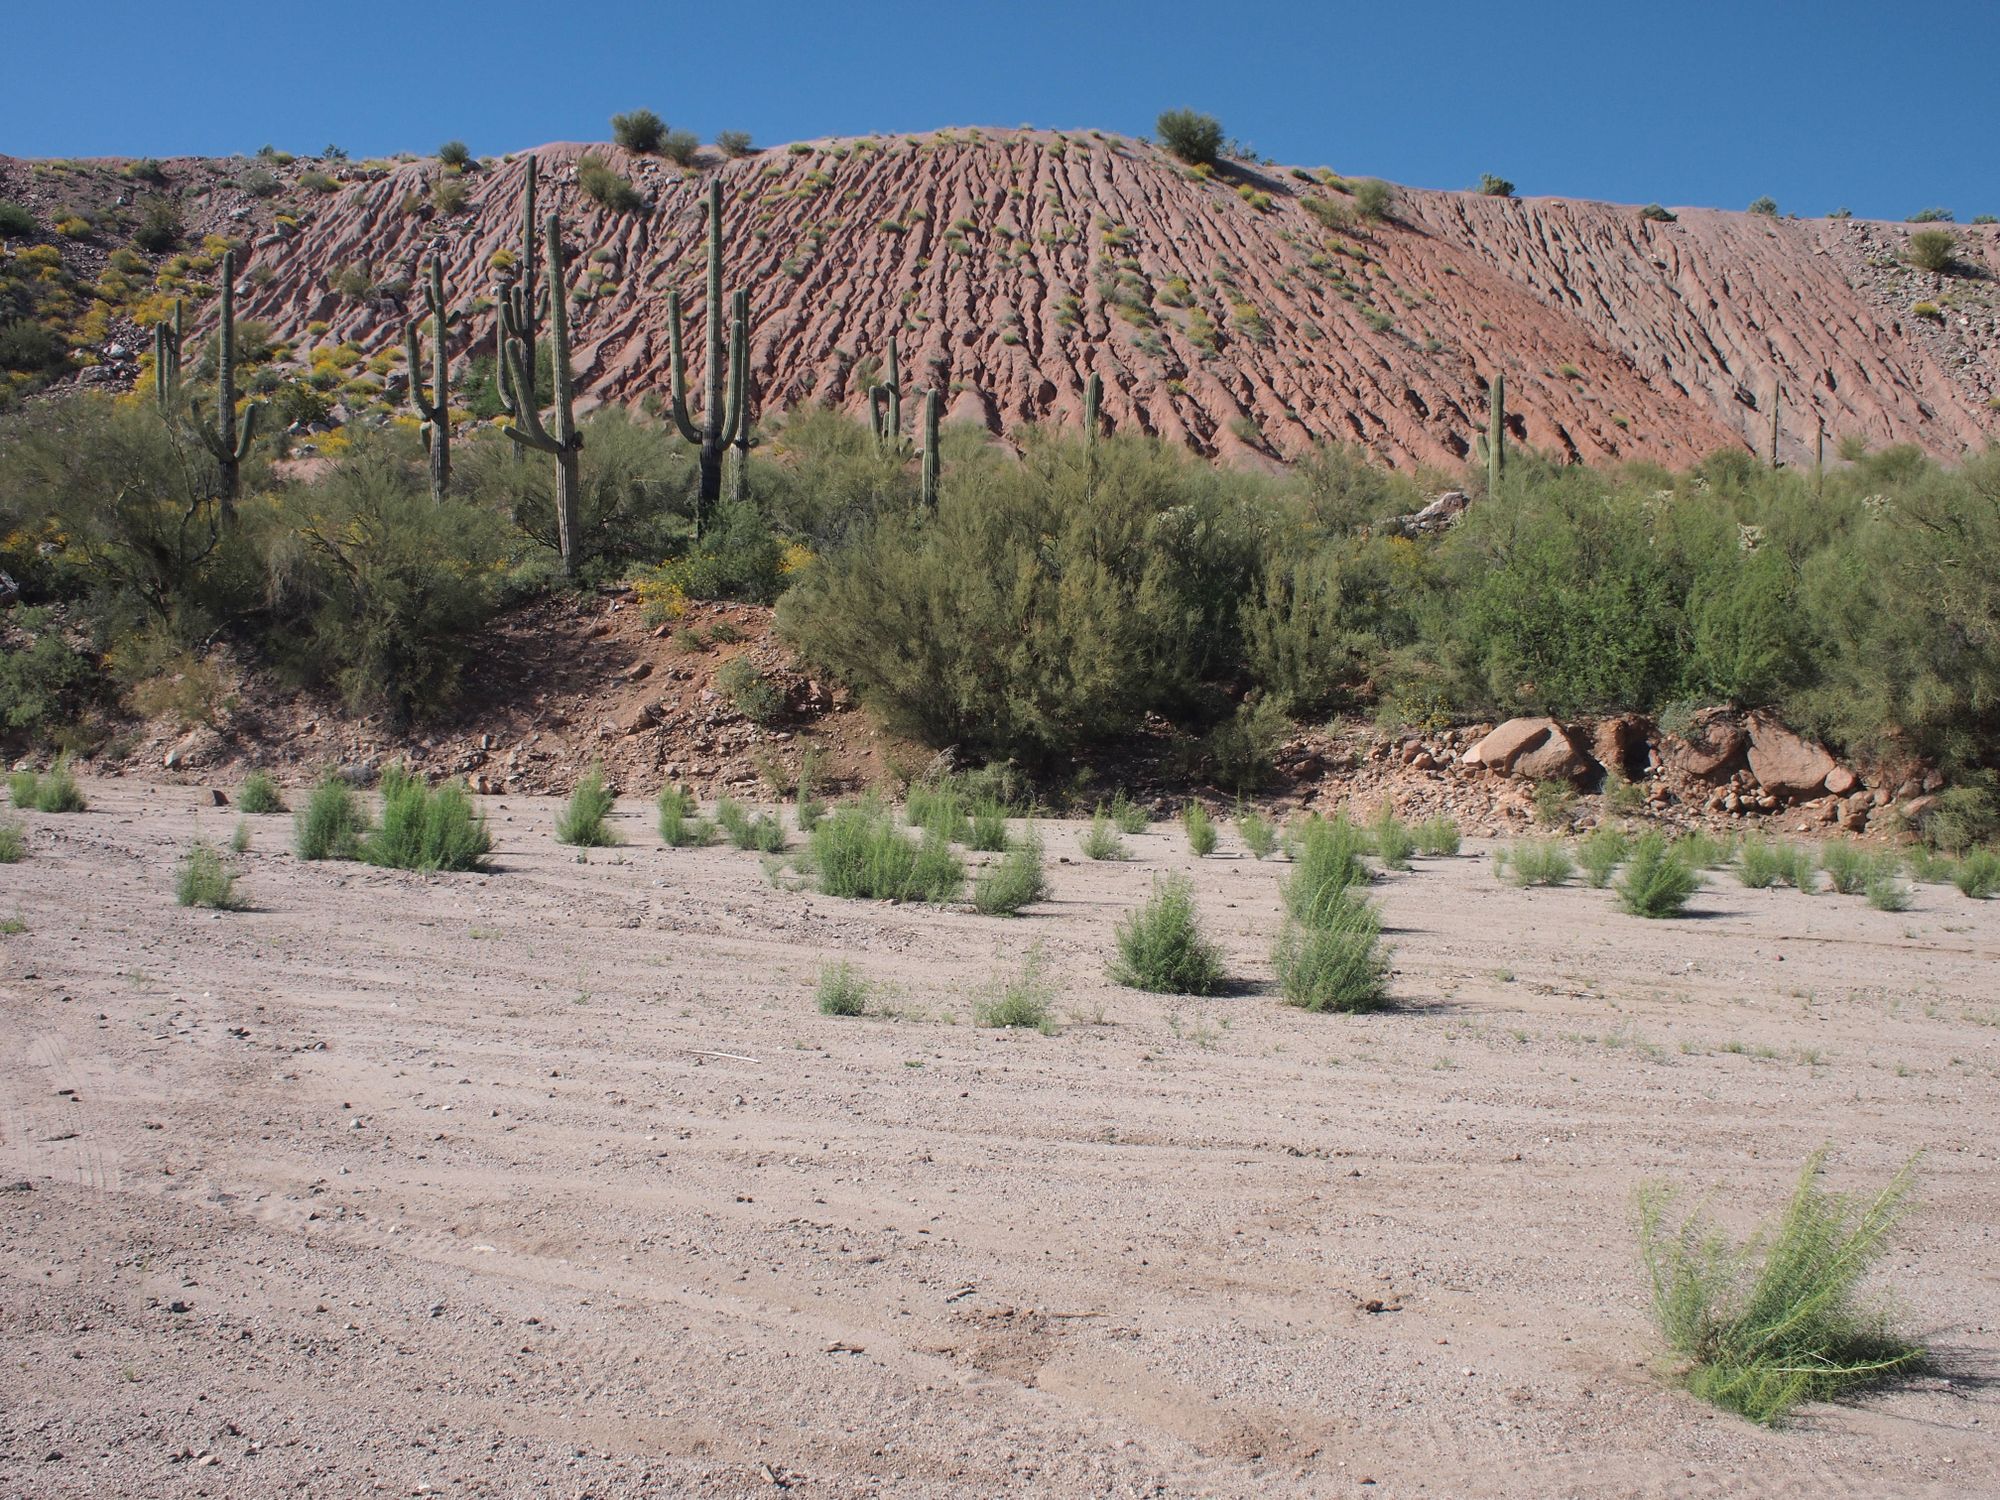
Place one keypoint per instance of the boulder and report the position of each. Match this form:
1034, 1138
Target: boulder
1535, 749
1622, 744
1785, 764
1712, 747
1840, 781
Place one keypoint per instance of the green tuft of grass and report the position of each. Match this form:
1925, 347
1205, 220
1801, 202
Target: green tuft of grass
1326, 860
1335, 962
1763, 863
1200, 829
1161, 947
858, 852
239, 840
1257, 833
939, 810
1128, 816
1600, 852
259, 794
759, 832
1100, 840
1534, 862
1849, 867
1657, 882
988, 826
1013, 881
842, 990
809, 809
332, 824
582, 822
204, 880
680, 828
1886, 892
1394, 842
13, 841
1436, 837
1978, 874
55, 791
1779, 1319
427, 828
1701, 850
1023, 1001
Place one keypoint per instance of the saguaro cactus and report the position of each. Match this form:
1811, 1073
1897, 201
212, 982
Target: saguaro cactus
436, 412
167, 362
1093, 394
1777, 397
725, 416
930, 479
224, 439
739, 377
885, 406
514, 315
1496, 433
565, 442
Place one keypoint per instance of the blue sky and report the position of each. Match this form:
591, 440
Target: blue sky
1873, 106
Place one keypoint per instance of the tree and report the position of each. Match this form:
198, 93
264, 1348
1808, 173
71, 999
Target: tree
1194, 138
638, 130
1495, 187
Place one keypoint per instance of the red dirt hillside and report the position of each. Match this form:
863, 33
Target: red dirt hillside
1017, 262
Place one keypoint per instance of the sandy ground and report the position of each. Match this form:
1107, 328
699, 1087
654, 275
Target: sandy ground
552, 1181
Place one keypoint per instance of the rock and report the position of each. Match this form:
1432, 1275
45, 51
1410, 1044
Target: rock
1919, 808
1785, 764
221, 797
1713, 746
1623, 744
1840, 781
1535, 749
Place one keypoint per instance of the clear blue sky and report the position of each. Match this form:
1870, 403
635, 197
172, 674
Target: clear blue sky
1819, 103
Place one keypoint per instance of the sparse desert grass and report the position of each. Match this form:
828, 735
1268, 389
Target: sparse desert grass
425, 827
1334, 962
1600, 852
332, 824
1326, 860
13, 841
939, 810
1128, 816
1013, 881
759, 832
1778, 1319
859, 852
1257, 833
1930, 867
1849, 866
1978, 874
239, 839
582, 823
1100, 840
1657, 881
1887, 892
202, 879
1436, 837
842, 990
1200, 829
1393, 841
53, 791
1534, 862
1555, 803
680, 827
1161, 947
809, 808
259, 794
1763, 863
1700, 850
989, 826
1024, 1000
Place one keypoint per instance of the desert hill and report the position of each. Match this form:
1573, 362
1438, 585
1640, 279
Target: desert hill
1221, 311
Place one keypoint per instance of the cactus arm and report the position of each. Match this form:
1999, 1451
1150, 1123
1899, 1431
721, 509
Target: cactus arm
736, 423
930, 473
248, 433
414, 357
1496, 433
527, 429
677, 363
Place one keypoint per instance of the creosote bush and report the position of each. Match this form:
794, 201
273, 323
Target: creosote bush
1013, 881
202, 879
638, 130
859, 852
1200, 829
259, 794
1194, 138
1849, 866
1326, 860
332, 823
1335, 962
1657, 881
1257, 833
1161, 947
427, 827
582, 822
1933, 250
1779, 1319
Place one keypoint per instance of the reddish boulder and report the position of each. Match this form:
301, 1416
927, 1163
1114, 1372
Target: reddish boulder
1622, 744
1840, 781
1785, 764
1712, 747
1535, 749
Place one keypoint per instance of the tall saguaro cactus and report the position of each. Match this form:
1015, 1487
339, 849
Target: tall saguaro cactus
1496, 433
528, 429
435, 411
1093, 396
167, 363
724, 416
1777, 397
514, 316
930, 479
885, 406
224, 439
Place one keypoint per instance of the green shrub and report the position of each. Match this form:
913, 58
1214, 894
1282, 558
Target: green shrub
454, 154
1436, 837
1495, 187
1326, 860
160, 226
1013, 881
332, 824
606, 187
1237, 753
425, 827
1200, 829
750, 692
1886, 893
239, 838
858, 852
1849, 867
1978, 874
1600, 852
638, 130
1554, 802
13, 841
679, 147
1374, 199
1128, 816
1100, 840
582, 822
1393, 841
1766, 863
842, 990
1657, 882
1024, 1001
989, 826
203, 880
1932, 250
1161, 947
259, 794
1699, 849
1257, 833
1535, 862
939, 810
1336, 961
1767, 206
1194, 138
16, 223
1778, 1319
53, 791
679, 826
